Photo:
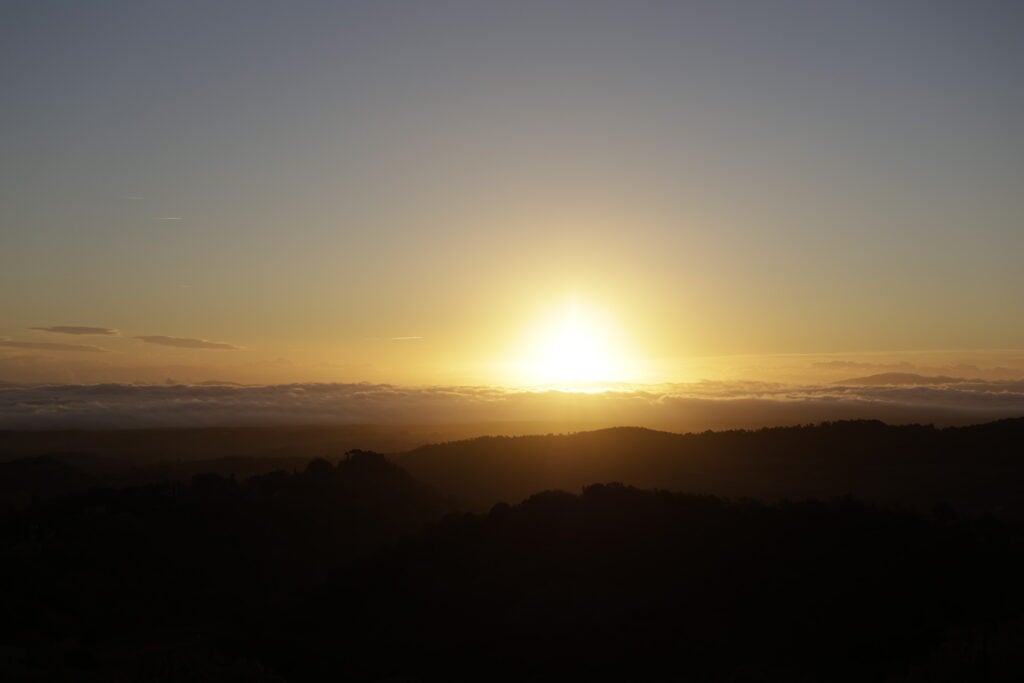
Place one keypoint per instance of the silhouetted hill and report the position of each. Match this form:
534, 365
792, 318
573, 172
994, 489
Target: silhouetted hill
622, 584
39, 478
979, 468
347, 568
976, 468
135, 457
900, 378
28, 480
115, 571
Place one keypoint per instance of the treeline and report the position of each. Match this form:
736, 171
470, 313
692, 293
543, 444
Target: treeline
978, 469
623, 584
352, 568
98, 579
336, 573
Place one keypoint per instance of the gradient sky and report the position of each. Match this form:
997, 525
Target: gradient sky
405, 191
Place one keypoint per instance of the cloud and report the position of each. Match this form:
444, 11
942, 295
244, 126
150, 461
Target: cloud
77, 329
681, 408
186, 342
406, 338
48, 346
168, 218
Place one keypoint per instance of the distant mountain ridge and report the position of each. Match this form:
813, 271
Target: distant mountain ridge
978, 468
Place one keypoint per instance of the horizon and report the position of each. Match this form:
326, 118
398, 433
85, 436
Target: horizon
895, 398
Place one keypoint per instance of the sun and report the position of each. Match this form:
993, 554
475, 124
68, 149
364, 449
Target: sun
572, 347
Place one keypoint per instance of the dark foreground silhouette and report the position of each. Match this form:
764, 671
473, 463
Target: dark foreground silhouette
624, 584
977, 469
356, 570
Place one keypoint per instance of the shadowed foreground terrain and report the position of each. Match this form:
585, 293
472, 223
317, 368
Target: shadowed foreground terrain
357, 568
976, 468
625, 584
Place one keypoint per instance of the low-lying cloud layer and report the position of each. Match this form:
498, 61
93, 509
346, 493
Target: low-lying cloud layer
186, 342
685, 407
48, 346
77, 329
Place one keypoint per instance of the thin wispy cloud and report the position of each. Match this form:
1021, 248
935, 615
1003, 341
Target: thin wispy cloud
168, 218
406, 338
49, 346
77, 329
186, 342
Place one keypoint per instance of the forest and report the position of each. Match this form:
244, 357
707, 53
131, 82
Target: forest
834, 552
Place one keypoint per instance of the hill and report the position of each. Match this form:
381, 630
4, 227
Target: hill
623, 584
111, 578
978, 468
353, 568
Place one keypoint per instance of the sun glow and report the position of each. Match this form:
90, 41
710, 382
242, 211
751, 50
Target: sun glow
573, 349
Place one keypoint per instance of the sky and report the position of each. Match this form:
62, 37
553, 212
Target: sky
508, 193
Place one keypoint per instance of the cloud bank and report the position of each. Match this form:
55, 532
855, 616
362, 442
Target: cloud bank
687, 407
49, 346
77, 329
186, 342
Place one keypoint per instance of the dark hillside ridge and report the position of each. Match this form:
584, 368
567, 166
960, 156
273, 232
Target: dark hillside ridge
620, 584
978, 468
356, 570
118, 573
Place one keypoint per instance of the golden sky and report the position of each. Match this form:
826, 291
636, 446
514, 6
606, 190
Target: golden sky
524, 194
